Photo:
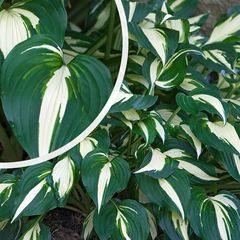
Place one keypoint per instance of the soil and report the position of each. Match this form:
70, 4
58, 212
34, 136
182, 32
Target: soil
64, 224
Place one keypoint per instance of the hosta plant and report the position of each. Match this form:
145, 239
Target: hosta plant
165, 161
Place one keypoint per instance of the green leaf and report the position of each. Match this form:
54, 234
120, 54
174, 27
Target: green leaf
216, 134
122, 220
78, 90
202, 99
161, 42
214, 217
103, 176
173, 225
157, 165
231, 163
35, 230
166, 192
10, 230
24, 19
234, 105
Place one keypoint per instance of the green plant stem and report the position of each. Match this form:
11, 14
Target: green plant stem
79, 11
129, 144
132, 144
169, 121
100, 43
77, 204
231, 91
76, 195
110, 30
74, 209
85, 199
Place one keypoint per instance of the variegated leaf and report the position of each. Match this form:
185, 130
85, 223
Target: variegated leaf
196, 22
231, 163
166, 113
166, 192
180, 25
173, 72
215, 217
98, 17
88, 225
127, 100
193, 80
198, 169
150, 127
216, 134
126, 220
192, 138
234, 105
152, 224
225, 29
10, 230
54, 89
132, 115
103, 176
202, 99
137, 79
23, 19
98, 139
174, 226
87, 146
9, 185
63, 176
137, 11
161, 42
157, 165
182, 8
35, 230
36, 196
220, 57
6, 186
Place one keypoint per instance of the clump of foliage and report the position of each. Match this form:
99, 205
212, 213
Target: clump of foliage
164, 163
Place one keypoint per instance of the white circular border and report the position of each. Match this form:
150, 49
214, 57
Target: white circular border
102, 114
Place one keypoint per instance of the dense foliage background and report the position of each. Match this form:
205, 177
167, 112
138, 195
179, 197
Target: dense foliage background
164, 163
